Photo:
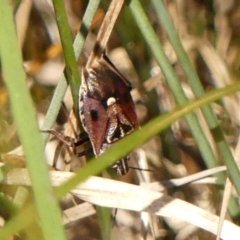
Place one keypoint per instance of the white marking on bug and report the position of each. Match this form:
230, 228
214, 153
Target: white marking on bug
111, 101
122, 132
92, 73
81, 104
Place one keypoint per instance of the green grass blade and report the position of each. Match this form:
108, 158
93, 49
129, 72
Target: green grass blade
105, 221
71, 69
198, 91
25, 119
172, 80
154, 127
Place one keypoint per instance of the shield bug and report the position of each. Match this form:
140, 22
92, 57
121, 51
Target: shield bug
107, 110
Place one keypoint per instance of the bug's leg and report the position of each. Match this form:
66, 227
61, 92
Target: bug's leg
81, 140
68, 141
84, 152
63, 140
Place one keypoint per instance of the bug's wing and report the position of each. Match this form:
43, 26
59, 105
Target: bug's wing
127, 107
94, 119
122, 88
128, 110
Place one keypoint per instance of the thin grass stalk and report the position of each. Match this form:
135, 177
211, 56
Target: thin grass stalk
105, 221
71, 69
105, 31
61, 88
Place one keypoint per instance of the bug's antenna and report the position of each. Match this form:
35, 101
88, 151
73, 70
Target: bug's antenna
141, 169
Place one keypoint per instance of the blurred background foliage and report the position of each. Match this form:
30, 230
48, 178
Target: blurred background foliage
209, 32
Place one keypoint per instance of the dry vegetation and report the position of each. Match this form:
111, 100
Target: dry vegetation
209, 32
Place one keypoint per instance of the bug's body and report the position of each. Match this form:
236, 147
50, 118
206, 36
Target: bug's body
107, 110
